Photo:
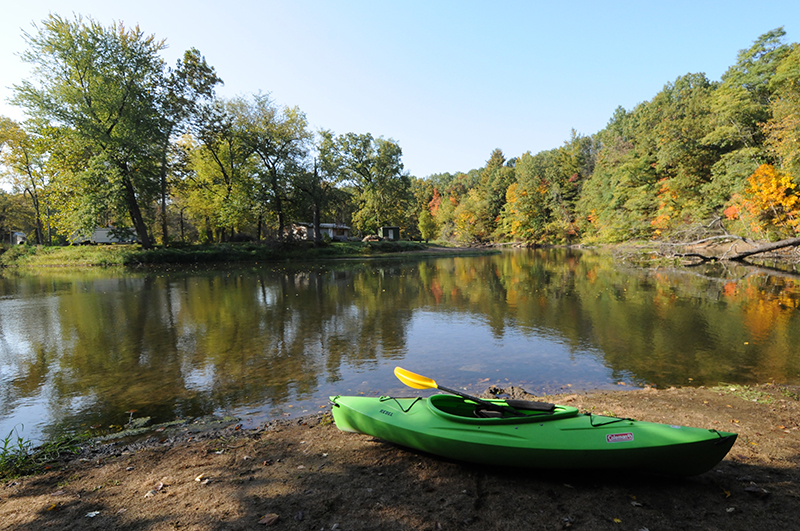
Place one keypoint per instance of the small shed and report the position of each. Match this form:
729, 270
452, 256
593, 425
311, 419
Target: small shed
18, 238
390, 233
334, 231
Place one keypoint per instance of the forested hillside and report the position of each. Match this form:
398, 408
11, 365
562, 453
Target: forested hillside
115, 137
699, 154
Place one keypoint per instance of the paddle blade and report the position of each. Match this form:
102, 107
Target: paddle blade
414, 380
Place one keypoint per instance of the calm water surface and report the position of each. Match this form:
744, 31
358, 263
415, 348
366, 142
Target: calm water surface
79, 350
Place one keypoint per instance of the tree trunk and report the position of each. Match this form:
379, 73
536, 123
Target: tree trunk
35, 201
136, 213
790, 242
278, 202
209, 233
164, 230
739, 257
317, 235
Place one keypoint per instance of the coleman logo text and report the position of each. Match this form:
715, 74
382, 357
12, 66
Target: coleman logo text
619, 437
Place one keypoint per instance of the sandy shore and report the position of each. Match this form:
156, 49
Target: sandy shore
305, 474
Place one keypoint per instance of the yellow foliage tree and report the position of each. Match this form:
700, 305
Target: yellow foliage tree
770, 203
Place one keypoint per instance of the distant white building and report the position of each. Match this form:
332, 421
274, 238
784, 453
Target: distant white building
18, 238
334, 231
108, 235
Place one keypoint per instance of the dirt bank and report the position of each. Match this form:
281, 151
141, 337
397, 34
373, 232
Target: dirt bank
307, 475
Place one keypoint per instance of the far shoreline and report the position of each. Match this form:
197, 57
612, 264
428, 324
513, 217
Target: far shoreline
133, 256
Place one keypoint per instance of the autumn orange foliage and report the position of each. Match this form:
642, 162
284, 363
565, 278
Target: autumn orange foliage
770, 202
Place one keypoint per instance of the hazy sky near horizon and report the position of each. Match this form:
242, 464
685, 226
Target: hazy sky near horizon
448, 80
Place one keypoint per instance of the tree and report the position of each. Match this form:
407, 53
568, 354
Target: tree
490, 197
427, 225
373, 169
189, 85
279, 139
739, 105
770, 203
755, 66
24, 158
528, 213
15, 215
107, 93
783, 129
221, 189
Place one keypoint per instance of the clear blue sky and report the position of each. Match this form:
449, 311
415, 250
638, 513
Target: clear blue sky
448, 80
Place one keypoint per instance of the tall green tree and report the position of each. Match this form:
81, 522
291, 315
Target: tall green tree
495, 178
373, 169
107, 90
528, 214
279, 138
618, 201
23, 160
739, 105
680, 116
756, 65
783, 128
220, 188
189, 89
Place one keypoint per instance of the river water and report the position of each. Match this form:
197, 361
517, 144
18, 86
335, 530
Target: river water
86, 350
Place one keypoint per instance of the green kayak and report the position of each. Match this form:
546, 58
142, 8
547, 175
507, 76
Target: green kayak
535, 435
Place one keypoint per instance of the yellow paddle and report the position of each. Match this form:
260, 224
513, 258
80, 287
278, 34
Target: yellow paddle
417, 381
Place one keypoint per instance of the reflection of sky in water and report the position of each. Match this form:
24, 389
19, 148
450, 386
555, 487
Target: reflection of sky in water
464, 351
199, 377
22, 416
460, 351
13, 342
25, 421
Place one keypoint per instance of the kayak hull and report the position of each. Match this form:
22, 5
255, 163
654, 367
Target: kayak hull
443, 425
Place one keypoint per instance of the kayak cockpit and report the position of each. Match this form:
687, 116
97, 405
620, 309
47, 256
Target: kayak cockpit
458, 409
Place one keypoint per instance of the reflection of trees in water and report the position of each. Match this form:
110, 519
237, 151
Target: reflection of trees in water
187, 343
666, 326
270, 335
661, 326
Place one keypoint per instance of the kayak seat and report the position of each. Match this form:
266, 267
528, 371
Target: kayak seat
516, 408
482, 412
459, 409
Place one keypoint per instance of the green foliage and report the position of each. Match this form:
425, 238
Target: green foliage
427, 225
756, 65
244, 169
99, 87
372, 169
104, 103
134, 255
745, 392
18, 457
783, 129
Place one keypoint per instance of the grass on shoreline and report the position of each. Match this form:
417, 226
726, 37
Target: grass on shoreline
18, 457
134, 255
